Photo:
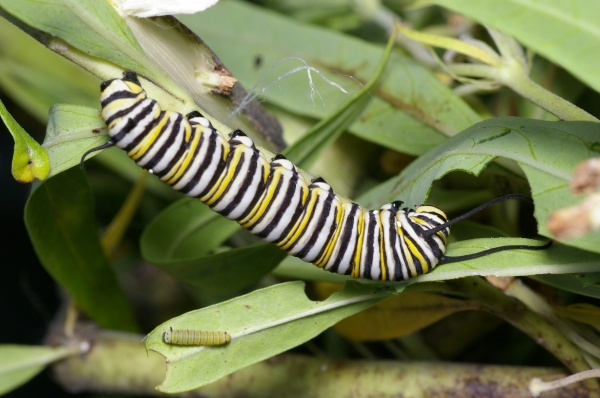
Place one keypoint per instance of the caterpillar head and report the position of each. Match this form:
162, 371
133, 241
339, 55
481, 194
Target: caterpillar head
119, 94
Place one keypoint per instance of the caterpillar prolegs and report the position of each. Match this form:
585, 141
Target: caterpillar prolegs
271, 198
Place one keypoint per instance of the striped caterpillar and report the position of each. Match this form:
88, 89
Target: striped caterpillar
271, 198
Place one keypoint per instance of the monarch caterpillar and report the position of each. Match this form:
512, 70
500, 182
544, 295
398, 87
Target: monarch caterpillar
195, 337
272, 199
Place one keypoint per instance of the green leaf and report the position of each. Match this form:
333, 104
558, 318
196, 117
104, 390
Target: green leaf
548, 152
306, 150
579, 283
185, 230
411, 111
59, 217
19, 364
226, 271
179, 238
72, 130
30, 161
262, 324
36, 78
566, 32
557, 259
93, 27
96, 33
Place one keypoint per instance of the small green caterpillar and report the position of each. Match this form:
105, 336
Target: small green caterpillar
195, 337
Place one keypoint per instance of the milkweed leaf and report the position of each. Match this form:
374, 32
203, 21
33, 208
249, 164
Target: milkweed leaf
181, 237
60, 222
93, 27
20, 363
547, 152
261, 324
417, 110
71, 131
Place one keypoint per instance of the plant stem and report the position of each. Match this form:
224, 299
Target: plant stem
524, 86
118, 363
516, 78
535, 326
536, 303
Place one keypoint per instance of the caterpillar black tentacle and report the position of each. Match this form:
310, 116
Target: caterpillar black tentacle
107, 144
195, 337
272, 199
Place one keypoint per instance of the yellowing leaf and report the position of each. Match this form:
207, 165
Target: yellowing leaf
396, 316
399, 316
584, 313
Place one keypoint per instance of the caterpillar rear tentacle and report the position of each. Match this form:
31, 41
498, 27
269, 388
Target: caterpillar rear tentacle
271, 198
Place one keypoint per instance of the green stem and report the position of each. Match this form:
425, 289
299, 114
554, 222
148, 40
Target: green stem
532, 324
514, 73
524, 86
536, 303
119, 364
514, 77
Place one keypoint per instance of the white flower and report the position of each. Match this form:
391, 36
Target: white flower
155, 8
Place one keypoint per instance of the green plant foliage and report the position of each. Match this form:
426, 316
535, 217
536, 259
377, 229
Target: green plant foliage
564, 32
533, 144
71, 131
409, 99
261, 324
228, 271
423, 309
30, 161
185, 229
60, 222
19, 364
91, 26
38, 78
557, 259
308, 148
179, 239
580, 283
322, 83
546, 151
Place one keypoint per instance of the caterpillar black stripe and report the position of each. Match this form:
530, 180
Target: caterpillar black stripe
271, 198
195, 337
